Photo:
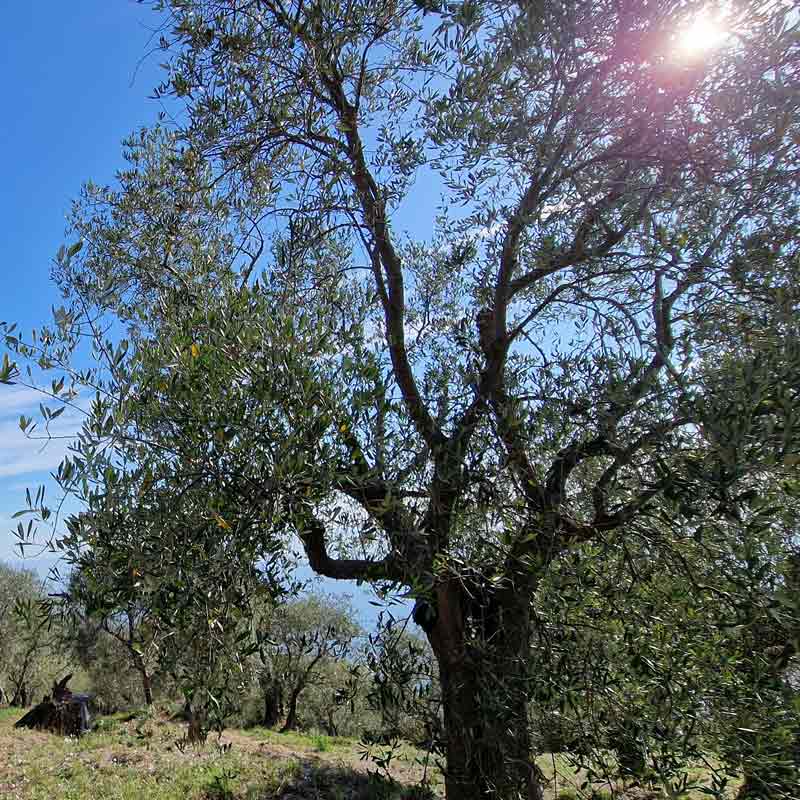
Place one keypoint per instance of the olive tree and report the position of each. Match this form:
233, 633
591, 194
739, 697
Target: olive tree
30, 657
298, 640
169, 588
454, 399
111, 642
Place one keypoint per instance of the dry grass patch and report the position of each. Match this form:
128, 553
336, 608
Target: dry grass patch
129, 761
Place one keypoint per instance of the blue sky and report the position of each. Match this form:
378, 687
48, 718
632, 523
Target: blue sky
74, 85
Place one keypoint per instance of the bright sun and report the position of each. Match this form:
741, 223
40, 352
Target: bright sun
704, 32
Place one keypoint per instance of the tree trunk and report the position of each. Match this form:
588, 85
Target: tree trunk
331, 723
20, 698
484, 697
196, 733
273, 703
147, 689
291, 717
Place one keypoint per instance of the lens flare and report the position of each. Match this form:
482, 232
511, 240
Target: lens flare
705, 32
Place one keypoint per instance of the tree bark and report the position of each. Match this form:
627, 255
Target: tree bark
332, 729
147, 689
291, 716
484, 697
196, 733
20, 698
273, 703
302, 682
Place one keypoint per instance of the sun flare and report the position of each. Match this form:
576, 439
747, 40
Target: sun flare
705, 32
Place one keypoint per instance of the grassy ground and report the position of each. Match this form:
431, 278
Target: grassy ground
131, 759
127, 758
563, 783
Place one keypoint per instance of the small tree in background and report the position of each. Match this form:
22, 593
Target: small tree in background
30, 656
135, 638
298, 641
403, 688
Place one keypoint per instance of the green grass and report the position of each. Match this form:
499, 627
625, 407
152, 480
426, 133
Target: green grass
132, 756
302, 741
564, 783
128, 757
123, 780
129, 761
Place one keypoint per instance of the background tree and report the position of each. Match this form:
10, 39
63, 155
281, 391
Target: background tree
198, 607
134, 639
300, 639
531, 373
30, 659
404, 688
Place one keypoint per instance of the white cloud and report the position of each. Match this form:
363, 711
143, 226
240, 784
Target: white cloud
21, 455
39, 549
19, 486
9, 550
16, 399
27, 463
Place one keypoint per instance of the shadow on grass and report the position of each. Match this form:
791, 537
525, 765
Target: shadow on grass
315, 780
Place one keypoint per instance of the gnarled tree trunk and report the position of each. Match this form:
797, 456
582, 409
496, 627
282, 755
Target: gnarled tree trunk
197, 732
20, 697
141, 668
482, 674
291, 716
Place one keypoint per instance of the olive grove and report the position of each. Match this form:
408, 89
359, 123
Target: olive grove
557, 400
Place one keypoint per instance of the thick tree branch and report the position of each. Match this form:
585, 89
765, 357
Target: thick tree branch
624, 457
578, 252
508, 429
566, 461
312, 535
623, 514
382, 501
393, 297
